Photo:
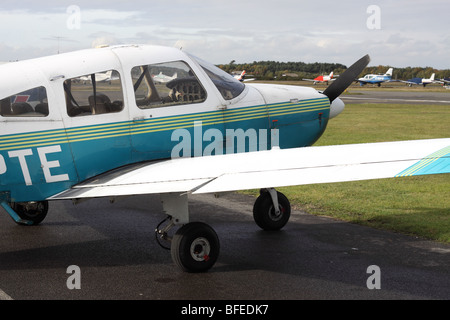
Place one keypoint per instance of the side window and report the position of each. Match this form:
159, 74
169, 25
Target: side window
92, 94
166, 84
29, 103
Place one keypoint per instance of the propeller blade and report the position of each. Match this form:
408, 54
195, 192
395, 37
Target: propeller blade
340, 84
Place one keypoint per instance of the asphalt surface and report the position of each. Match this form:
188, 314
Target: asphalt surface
118, 258
374, 95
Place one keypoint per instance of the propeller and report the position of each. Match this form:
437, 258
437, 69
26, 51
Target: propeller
340, 84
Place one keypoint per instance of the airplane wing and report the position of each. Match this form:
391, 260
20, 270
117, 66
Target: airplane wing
442, 81
408, 82
274, 168
332, 79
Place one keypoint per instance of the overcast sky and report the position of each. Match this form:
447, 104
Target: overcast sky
398, 33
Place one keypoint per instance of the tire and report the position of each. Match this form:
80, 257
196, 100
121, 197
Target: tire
264, 213
195, 247
31, 211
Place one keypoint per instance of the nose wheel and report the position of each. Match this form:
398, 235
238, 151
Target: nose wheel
271, 210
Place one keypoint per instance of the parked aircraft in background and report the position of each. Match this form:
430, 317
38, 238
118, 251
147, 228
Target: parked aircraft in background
377, 79
420, 81
162, 78
326, 78
203, 132
106, 76
242, 77
444, 82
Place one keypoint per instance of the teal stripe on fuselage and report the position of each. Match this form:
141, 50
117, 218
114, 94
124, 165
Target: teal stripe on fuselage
111, 130
98, 148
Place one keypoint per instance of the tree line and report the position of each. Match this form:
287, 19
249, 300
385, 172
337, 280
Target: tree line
267, 70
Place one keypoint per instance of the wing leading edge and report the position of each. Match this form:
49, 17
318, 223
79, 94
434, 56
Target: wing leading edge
274, 168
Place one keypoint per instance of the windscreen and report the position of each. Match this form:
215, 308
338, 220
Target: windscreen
227, 85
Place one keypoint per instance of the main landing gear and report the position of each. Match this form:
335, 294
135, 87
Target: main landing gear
195, 246
26, 213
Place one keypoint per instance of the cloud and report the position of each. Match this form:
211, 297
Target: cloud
412, 32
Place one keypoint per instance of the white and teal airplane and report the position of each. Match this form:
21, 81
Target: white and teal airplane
202, 132
377, 79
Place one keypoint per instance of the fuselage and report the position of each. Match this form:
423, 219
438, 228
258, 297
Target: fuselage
57, 130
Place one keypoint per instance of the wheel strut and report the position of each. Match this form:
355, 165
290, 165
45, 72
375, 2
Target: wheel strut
163, 234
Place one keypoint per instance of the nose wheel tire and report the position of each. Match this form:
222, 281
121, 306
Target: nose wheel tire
195, 247
265, 215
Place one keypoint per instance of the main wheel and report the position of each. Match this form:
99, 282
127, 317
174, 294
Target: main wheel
195, 247
34, 211
265, 215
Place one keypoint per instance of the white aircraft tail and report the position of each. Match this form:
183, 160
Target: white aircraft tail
432, 76
331, 74
241, 76
389, 72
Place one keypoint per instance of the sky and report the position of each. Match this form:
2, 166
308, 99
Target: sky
397, 33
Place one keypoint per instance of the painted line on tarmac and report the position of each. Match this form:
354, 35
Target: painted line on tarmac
4, 296
393, 99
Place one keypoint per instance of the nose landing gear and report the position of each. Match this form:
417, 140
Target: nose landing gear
271, 210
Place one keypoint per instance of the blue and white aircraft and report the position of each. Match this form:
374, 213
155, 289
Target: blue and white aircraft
377, 79
202, 132
420, 81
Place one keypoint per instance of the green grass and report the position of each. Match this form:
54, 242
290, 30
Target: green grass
418, 206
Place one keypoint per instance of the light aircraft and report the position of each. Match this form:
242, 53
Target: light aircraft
99, 77
242, 77
326, 78
445, 80
422, 81
160, 77
203, 132
377, 79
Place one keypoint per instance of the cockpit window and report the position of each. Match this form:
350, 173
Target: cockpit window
166, 84
93, 94
227, 85
29, 103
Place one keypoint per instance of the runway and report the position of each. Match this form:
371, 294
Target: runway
405, 97
114, 247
